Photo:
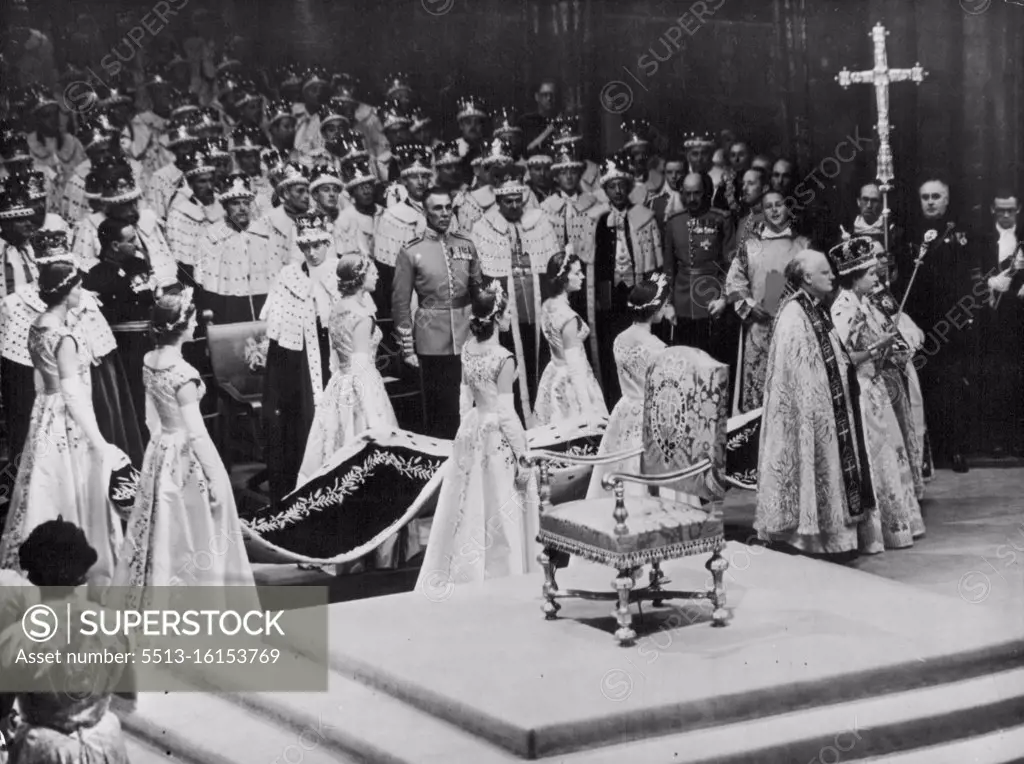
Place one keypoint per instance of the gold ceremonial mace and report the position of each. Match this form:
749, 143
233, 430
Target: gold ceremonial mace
880, 77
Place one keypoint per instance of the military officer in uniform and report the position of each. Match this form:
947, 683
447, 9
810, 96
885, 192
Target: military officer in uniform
696, 263
443, 269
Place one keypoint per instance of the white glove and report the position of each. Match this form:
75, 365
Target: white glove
1000, 283
911, 332
510, 425
78, 401
204, 450
466, 400
152, 419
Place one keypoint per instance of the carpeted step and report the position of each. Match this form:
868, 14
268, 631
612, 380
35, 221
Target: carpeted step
943, 719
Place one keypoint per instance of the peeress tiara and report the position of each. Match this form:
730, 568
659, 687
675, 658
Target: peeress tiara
184, 311
564, 267
660, 280
499, 297
361, 269
64, 283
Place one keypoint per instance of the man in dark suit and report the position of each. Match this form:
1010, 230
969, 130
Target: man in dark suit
1002, 335
946, 300
538, 125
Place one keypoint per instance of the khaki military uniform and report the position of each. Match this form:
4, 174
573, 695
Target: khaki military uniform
443, 270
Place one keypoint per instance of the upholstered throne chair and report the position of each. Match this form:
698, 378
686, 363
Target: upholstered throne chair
683, 458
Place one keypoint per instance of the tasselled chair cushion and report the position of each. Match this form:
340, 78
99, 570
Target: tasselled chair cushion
658, 529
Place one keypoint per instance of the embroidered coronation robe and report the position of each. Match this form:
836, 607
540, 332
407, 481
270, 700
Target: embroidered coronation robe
298, 368
59, 162
163, 185
19, 267
495, 241
892, 447
355, 231
398, 226
148, 129
801, 496
469, 206
235, 277
275, 233
756, 278
627, 249
187, 220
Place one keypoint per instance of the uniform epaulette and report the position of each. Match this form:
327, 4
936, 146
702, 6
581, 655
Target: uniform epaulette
417, 240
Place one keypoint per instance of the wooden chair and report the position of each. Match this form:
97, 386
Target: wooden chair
238, 355
685, 416
197, 352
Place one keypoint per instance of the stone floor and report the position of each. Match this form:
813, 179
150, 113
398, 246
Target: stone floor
974, 547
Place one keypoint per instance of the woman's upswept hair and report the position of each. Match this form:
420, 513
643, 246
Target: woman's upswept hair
648, 297
488, 306
352, 270
56, 280
172, 313
559, 267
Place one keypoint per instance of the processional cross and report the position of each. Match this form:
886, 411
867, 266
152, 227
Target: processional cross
881, 76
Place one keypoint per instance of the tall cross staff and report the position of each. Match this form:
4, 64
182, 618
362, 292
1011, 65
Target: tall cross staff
880, 77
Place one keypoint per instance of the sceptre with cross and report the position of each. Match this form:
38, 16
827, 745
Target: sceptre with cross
881, 76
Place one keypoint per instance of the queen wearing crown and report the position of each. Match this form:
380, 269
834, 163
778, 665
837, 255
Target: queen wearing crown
568, 388
487, 518
184, 508
874, 346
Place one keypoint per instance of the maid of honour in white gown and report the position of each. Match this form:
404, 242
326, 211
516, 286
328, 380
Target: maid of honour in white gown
634, 349
487, 521
355, 399
184, 508
65, 464
568, 388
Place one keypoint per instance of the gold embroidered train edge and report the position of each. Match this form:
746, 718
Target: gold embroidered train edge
415, 467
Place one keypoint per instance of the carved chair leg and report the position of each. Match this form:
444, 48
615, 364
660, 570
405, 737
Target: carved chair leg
550, 606
718, 565
624, 585
656, 576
